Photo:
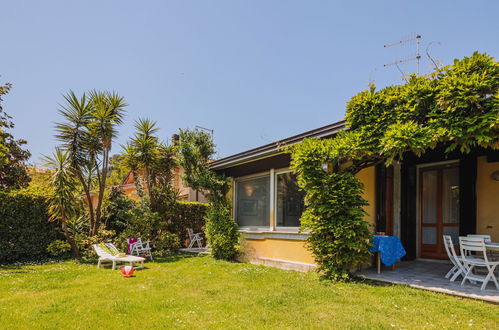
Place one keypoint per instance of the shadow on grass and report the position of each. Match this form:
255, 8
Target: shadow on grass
176, 257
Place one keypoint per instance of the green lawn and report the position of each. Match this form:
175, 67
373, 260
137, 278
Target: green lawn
199, 292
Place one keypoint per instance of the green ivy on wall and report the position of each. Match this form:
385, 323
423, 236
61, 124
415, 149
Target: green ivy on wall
456, 106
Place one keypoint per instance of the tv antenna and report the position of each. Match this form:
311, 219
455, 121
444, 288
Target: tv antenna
416, 58
209, 130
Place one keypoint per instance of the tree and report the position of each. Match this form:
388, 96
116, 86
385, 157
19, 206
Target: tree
63, 198
456, 107
87, 134
152, 162
196, 148
13, 173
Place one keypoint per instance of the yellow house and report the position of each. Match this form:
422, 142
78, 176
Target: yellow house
419, 199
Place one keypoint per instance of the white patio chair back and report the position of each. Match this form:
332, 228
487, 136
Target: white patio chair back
457, 262
486, 238
194, 238
140, 248
474, 254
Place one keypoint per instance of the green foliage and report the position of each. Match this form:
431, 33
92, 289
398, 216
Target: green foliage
185, 215
118, 170
25, 230
166, 242
152, 163
221, 231
166, 229
117, 211
63, 200
39, 183
196, 148
457, 107
141, 222
338, 235
13, 174
59, 249
86, 134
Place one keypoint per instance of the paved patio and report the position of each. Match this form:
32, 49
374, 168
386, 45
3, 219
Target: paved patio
429, 275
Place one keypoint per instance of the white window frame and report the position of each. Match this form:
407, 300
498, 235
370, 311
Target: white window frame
272, 174
234, 195
281, 228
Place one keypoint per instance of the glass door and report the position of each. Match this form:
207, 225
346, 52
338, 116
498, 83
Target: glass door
439, 209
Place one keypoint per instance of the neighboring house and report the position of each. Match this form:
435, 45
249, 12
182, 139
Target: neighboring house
418, 199
188, 194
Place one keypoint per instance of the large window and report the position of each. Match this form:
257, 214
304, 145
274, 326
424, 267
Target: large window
270, 202
253, 202
289, 201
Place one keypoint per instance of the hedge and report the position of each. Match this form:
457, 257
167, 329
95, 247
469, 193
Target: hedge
25, 232
187, 215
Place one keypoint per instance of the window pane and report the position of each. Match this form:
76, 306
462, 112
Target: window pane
253, 202
454, 234
289, 205
450, 195
429, 196
429, 235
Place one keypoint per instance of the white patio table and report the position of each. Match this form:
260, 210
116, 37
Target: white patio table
492, 246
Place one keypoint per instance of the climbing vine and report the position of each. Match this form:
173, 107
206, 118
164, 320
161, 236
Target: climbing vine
456, 107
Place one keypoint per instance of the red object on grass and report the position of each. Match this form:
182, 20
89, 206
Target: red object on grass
127, 271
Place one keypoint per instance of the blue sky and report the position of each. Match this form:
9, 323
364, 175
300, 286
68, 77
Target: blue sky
254, 71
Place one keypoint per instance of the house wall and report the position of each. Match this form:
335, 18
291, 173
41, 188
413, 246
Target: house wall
278, 249
266, 248
487, 221
368, 177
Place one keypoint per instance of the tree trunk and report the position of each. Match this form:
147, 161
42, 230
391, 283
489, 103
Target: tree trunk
102, 187
89, 200
74, 248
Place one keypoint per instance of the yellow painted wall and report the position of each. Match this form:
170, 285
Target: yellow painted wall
368, 177
295, 250
282, 249
487, 199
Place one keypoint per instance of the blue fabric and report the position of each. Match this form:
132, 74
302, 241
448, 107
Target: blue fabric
390, 247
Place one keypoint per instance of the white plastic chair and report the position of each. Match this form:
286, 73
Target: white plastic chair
106, 256
474, 254
457, 261
486, 238
194, 238
140, 248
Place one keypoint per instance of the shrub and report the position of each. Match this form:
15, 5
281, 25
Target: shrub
221, 231
25, 232
166, 242
185, 215
339, 237
59, 249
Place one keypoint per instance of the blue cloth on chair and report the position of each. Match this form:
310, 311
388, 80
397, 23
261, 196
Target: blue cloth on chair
390, 247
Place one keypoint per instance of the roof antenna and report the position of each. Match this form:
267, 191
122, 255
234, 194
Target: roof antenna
428, 53
209, 130
416, 58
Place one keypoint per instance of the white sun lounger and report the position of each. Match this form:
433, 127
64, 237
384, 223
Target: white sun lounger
106, 256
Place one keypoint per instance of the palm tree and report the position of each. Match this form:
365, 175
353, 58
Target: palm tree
107, 113
145, 152
87, 134
63, 200
76, 139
